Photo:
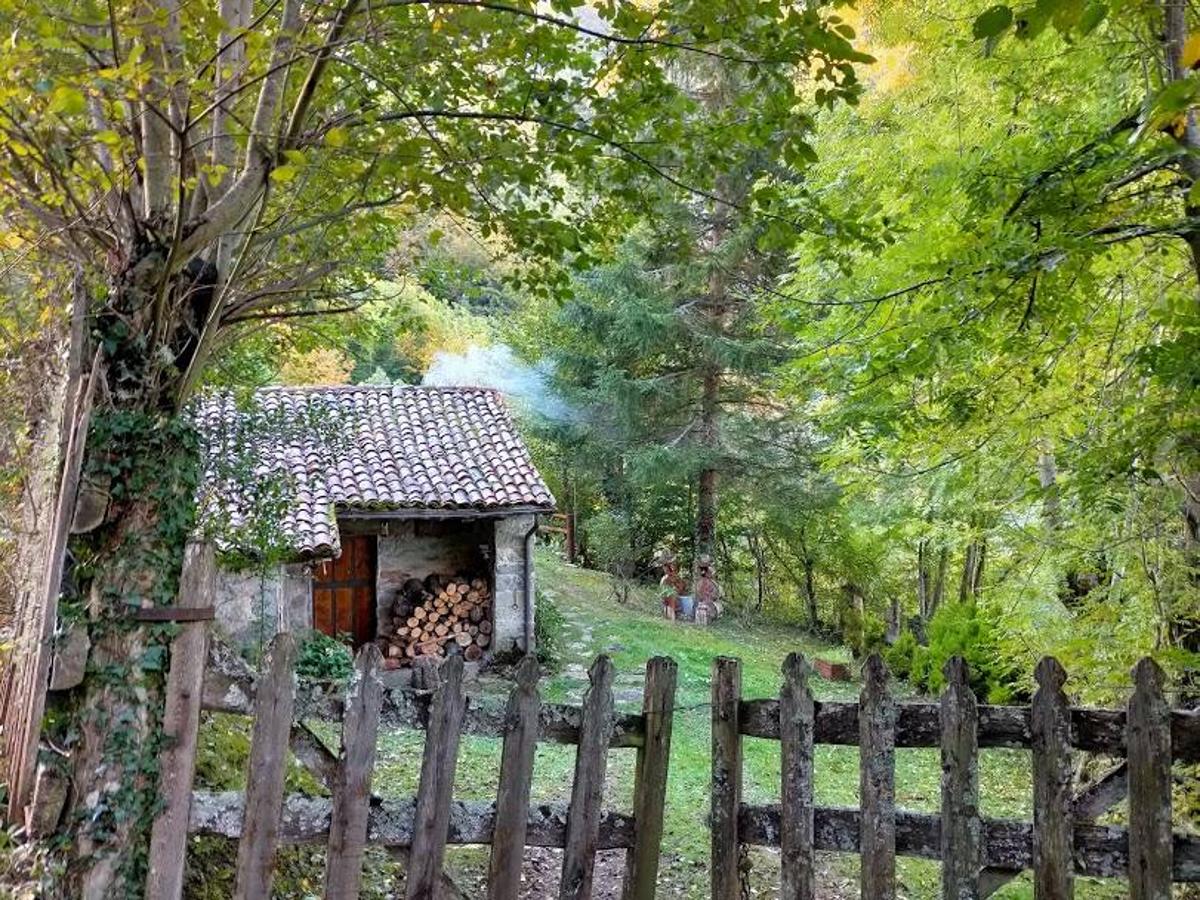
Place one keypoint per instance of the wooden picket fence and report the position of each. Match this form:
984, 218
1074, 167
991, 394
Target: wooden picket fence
263, 818
977, 854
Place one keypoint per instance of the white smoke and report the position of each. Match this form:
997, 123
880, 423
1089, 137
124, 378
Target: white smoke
496, 366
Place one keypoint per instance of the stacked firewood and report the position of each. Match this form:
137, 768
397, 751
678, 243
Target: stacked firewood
428, 616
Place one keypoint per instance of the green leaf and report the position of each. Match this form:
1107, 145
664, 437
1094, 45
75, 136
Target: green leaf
68, 100
284, 174
1032, 22
993, 22
153, 658
1092, 17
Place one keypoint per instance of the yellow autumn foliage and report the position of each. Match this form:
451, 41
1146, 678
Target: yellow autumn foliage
321, 366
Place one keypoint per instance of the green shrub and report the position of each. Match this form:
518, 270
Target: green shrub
323, 660
958, 629
901, 656
863, 634
549, 626
611, 540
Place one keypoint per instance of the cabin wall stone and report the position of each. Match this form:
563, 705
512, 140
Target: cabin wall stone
509, 596
253, 606
416, 548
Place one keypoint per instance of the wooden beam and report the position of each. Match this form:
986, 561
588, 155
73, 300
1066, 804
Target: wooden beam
181, 726
305, 820
1101, 851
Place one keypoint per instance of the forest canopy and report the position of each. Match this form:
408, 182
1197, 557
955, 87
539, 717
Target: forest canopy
966, 381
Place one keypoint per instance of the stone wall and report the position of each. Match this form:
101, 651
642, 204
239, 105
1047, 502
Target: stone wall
509, 599
254, 606
416, 548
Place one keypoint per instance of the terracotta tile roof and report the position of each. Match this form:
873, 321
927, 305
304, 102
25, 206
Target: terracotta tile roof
307, 453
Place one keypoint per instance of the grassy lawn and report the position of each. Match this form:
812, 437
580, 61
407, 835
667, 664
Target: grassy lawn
631, 634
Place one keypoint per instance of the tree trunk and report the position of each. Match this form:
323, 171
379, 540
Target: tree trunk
939, 582
964, 583
894, 625
572, 549
810, 593
1048, 479
972, 576
760, 568
1184, 625
706, 494
142, 462
922, 581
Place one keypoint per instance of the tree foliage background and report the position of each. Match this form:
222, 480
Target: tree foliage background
983, 360
892, 309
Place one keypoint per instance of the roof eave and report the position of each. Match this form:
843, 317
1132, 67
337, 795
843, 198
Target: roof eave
418, 512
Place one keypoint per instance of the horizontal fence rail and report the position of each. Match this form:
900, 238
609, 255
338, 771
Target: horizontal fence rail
919, 725
229, 688
1101, 851
978, 854
305, 820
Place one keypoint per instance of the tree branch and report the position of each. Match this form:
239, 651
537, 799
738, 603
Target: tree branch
304, 99
625, 149
559, 22
248, 189
162, 47
1127, 123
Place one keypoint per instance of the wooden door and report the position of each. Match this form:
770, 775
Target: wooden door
344, 591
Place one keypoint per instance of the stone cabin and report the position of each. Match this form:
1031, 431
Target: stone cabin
371, 500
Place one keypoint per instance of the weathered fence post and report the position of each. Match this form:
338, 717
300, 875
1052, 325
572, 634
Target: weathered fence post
587, 793
650, 780
962, 830
181, 725
516, 779
796, 725
1053, 820
352, 786
431, 821
274, 700
877, 783
1148, 737
726, 778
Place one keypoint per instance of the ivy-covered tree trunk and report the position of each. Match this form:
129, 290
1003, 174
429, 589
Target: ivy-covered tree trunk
133, 517
134, 561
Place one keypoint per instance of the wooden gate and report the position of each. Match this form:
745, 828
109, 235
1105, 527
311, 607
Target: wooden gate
263, 817
977, 854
